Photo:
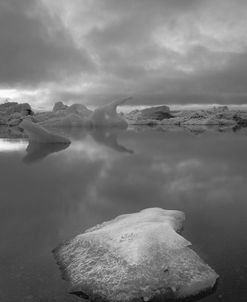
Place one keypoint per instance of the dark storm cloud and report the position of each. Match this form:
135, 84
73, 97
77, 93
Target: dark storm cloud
160, 50
34, 47
233, 78
177, 51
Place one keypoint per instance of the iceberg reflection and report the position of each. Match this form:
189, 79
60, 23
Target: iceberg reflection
100, 137
108, 137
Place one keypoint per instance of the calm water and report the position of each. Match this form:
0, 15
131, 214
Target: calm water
49, 195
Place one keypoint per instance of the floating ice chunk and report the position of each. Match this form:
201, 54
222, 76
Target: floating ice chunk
107, 115
38, 151
37, 133
135, 257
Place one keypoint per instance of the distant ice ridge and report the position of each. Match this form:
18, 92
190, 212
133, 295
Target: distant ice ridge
178, 107
78, 115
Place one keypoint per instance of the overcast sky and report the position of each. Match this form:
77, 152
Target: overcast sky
159, 51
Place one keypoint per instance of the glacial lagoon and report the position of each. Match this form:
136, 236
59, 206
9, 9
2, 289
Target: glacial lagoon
51, 193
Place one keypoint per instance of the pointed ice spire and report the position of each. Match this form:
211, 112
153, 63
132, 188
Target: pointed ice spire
107, 115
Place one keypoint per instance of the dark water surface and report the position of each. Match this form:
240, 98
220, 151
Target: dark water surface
48, 195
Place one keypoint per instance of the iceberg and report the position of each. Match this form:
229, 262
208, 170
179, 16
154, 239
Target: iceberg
107, 115
37, 133
38, 151
135, 257
77, 115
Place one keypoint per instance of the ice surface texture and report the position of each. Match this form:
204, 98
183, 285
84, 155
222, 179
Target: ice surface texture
135, 257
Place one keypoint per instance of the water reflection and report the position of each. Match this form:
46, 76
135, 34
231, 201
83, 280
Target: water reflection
38, 151
108, 137
88, 183
12, 145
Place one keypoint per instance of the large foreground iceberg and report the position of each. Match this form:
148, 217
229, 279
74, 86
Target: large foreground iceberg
135, 257
38, 134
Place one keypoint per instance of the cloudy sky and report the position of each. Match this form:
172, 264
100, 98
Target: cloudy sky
91, 51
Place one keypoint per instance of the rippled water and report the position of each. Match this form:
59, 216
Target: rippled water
48, 195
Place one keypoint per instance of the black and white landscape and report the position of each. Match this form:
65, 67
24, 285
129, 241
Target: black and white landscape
123, 127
